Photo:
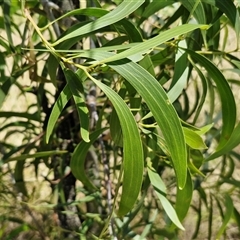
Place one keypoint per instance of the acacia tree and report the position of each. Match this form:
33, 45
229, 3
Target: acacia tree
143, 114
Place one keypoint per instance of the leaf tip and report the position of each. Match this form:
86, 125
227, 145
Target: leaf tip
47, 138
86, 140
182, 228
182, 184
85, 135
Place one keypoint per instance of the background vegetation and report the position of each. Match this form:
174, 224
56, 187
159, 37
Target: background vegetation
119, 119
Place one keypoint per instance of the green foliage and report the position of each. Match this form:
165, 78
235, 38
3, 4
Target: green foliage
153, 90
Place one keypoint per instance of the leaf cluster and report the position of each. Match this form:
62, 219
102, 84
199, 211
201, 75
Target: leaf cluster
166, 125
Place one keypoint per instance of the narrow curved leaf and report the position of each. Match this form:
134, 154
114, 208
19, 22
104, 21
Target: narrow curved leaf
160, 191
184, 198
35, 155
122, 11
181, 71
5, 88
16, 124
193, 140
58, 107
132, 151
193, 169
144, 47
6, 7
204, 92
154, 7
196, 9
96, 12
78, 52
226, 96
163, 111
227, 217
237, 217
210, 218
77, 163
123, 26
76, 88
229, 9
233, 142
53, 65
33, 116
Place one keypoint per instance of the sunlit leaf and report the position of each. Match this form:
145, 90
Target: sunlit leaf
132, 151
193, 140
180, 76
161, 108
160, 191
144, 47
123, 10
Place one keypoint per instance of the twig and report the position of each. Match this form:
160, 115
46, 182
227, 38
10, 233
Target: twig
48, 6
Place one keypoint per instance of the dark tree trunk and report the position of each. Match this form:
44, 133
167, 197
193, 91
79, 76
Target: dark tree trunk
66, 137
66, 133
